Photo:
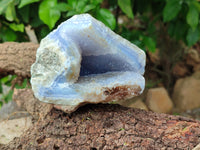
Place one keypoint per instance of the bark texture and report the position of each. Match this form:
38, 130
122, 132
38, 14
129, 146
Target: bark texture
16, 58
102, 126
93, 127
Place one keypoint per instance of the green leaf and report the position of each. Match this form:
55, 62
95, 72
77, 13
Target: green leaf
125, 6
197, 4
26, 2
8, 35
24, 85
106, 17
48, 14
63, 7
5, 79
88, 8
192, 16
17, 27
178, 29
71, 13
24, 13
10, 12
44, 31
150, 44
1, 104
96, 2
80, 5
8, 79
1, 88
72, 3
171, 10
8, 96
4, 4
36, 22
192, 36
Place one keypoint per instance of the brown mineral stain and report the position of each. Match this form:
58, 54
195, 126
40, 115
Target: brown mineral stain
121, 92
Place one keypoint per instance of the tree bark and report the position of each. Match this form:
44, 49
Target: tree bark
100, 126
16, 58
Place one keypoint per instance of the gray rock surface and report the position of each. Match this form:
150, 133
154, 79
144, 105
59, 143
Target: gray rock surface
10, 110
9, 129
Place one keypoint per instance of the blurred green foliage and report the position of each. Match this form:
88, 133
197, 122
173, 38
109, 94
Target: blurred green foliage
141, 19
181, 18
7, 81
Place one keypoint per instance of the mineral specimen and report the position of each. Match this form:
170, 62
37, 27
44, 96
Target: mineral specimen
83, 61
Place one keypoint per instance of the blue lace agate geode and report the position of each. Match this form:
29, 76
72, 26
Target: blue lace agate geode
83, 61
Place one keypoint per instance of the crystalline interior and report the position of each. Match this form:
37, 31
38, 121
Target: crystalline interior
96, 64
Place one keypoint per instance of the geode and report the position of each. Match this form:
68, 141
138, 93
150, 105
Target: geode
83, 61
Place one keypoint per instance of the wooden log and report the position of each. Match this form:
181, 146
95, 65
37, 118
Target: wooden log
100, 126
16, 58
